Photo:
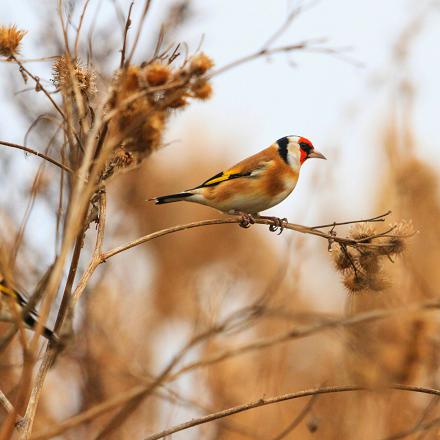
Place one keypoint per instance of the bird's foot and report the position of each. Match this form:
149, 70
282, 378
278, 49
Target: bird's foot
246, 220
278, 223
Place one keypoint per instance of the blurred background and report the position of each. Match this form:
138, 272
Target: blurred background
366, 95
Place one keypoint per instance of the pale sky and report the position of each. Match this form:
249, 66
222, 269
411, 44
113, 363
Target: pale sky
338, 106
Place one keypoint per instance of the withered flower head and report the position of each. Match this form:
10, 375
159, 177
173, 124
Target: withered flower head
10, 39
157, 74
65, 69
202, 89
355, 281
343, 259
395, 244
179, 102
362, 230
200, 64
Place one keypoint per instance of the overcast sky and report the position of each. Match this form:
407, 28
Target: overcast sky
338, 105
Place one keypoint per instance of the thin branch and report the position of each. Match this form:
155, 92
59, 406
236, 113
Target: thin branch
5, 403
378, 218
290, 18
126, 28
269, 401
39, 86
139, 30
138, 390
78, 32
36, 153
294, 227
297, 420
422, 427
265, 51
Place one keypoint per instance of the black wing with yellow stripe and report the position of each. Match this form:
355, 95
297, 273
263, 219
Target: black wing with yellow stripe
223, 177
31, 317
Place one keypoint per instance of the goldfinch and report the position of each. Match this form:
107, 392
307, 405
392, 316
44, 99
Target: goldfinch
12, 304
255, 184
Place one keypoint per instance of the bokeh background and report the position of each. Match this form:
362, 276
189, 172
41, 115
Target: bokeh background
369, 102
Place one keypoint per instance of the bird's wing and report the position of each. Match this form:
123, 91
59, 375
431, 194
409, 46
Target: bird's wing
21, 300
249, 170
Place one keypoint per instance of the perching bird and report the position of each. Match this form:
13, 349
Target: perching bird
12, 305
254, 184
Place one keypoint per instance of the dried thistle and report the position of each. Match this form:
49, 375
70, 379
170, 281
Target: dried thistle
157, 74
201, 89
361, 266
362, 230
343, 258
395, 244
65, 71
355, 281
179, 102
142, 107
10, 39
200, 64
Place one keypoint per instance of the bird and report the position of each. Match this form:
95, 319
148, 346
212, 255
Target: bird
255, 184
13, 306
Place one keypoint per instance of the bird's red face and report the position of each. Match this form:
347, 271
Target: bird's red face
307, 151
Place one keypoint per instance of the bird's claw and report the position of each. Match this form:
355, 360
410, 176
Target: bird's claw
278, 223
246, 221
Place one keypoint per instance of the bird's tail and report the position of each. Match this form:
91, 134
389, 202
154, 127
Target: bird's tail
31, 317
31, 321
171, 198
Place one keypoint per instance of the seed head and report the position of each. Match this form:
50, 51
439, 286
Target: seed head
355, 281
10, 39
362, 230
179, 102
343, 260
202, 89
157, 74
64, 70
200, 64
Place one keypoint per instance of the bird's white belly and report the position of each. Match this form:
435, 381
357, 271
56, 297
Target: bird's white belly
252, 205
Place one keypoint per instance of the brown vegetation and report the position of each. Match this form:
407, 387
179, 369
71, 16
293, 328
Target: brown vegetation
211, 323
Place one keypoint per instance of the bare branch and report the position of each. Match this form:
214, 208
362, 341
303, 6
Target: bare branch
124, 44
5, 403
294, 227
270, 401
36, 153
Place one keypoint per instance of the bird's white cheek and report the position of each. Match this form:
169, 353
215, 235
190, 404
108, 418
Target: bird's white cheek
294, 160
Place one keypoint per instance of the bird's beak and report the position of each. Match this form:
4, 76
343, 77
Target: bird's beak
316, 155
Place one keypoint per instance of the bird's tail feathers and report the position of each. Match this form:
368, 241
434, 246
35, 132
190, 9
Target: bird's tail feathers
171, 198
31, 321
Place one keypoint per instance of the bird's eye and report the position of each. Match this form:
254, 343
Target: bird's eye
307, 148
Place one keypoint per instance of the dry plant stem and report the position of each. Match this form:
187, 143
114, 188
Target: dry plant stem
52, 351
302, 332
134, 392
265, 52
378, 218
297, 420
294, 227
78, 32
290, 18
124, 44
79, 202
139, 30
36, 153
5, 403
38, 83
423, 427
277, 399
135, 401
